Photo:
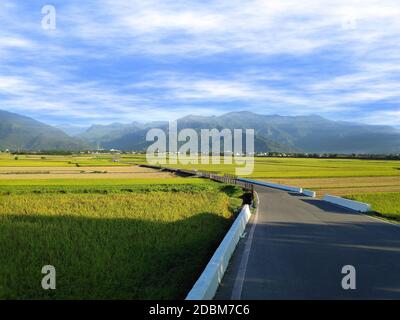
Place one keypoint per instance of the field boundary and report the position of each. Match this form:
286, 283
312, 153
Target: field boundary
207, 284
234, 180
350, 204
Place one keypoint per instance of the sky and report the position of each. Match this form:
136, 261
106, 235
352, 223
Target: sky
122, 61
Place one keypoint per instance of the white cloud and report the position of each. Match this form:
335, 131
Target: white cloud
263, 27
44, 71
385, 117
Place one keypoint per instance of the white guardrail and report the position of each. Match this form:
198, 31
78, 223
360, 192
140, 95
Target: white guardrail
309, 193
207, 284
272, 185
351, 204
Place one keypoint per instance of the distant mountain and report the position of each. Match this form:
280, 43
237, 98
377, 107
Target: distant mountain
20, 132
313, 133
117, 133
72, 130
101, 133
310, 133
135, 139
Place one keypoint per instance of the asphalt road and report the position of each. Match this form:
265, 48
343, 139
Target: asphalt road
295, 248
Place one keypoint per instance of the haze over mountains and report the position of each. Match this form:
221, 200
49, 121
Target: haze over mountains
20, 132
309, 133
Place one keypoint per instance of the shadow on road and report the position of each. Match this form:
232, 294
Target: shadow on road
328, 207
304, 261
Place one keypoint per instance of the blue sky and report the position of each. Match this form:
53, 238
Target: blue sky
115, 60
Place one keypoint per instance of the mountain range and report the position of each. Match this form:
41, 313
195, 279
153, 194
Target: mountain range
20, 132
309, 133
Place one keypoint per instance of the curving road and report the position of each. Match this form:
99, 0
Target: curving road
295, 248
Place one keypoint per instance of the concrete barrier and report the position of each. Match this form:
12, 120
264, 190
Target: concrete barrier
207, 284
272, 185
309, 193
351, 204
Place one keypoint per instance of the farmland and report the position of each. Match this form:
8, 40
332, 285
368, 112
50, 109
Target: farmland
111, 229
385, 204
334, 176
134, 243
346, 185
271, 168
7, 160
87, 172
372, 181
264, 167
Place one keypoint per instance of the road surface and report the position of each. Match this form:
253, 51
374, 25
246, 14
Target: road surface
295, 248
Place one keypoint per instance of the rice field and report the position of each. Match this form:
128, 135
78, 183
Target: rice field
345, 185
116, 230
9, 160
111, 229
104, 172
373, 181
136, 244
264, 167
271, 168
385, 204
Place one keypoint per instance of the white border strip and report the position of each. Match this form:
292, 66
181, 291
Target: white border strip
272, 185
309, 193
207, 284
351, 204
238, 285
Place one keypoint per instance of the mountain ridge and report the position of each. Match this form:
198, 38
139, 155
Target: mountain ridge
21, 132
304, 133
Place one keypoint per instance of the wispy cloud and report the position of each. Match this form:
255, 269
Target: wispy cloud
388, 117
111, 60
